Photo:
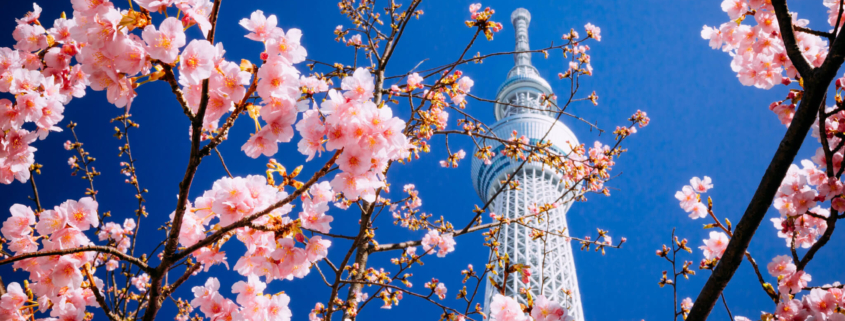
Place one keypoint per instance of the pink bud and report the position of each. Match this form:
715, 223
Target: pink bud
786, 81
265, 56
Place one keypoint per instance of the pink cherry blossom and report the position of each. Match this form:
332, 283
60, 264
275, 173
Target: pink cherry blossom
196, 62
593, 31
286, 45
14, 298
794, 283
20, 223
82, 214
701, 186
30, 37
249, 289
260, 27
820, 302
203, 295
51, 221
781, 265
277, 308
317, 248
163, 44
688, 198
504, 308
444, 242
699, 210
359, 86
140, 282
715, 246
548, 310
440, 291
155, 5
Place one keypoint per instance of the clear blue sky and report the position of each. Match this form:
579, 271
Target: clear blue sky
651, 57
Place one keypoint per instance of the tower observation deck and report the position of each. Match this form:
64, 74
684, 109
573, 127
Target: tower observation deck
539, 185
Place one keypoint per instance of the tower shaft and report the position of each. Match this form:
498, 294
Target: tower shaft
550, 257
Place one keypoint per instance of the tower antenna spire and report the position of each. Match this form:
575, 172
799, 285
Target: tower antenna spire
521, 18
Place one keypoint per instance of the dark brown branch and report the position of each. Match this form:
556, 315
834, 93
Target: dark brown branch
813, 32
97, 295
223, 162
90, 248
247, 220
184, 187
170, 78
34, 190
769, 184
788, 35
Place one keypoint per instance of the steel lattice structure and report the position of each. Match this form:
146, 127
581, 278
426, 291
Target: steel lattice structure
539, 185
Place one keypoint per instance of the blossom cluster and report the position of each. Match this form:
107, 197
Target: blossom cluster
691, 199
279, 83
368, 136
503, 308
39, 74
802, 220
759, 55
233, 200
251, 303
822, 303
57, 280
443, 242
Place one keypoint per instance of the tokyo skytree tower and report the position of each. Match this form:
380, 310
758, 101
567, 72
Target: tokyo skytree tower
539, 185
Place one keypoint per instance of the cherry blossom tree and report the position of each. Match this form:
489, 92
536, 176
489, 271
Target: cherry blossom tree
340, 115
771, 46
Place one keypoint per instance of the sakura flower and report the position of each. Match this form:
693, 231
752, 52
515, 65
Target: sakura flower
261, 143
701, 186
140, 282
30, 37
359, 86
163, 44
794, 283
504, 308
67, 273
821, 303
688, 198
734, 8
415, 81
203, 295
154, 5
82, 214
714, 35
30, 16
548, 310
686, 304
440, 291
781, 265
51, 221
444, 242
593, 31
14, 298
277, 308
20, 223
715, 246
260, 27
249, 289
699, 210
286, 45
196, 61
317, 248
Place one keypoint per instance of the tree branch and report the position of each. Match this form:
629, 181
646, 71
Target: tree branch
90, 248
788, 35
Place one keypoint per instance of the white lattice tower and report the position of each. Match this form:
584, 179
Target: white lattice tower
539, 185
